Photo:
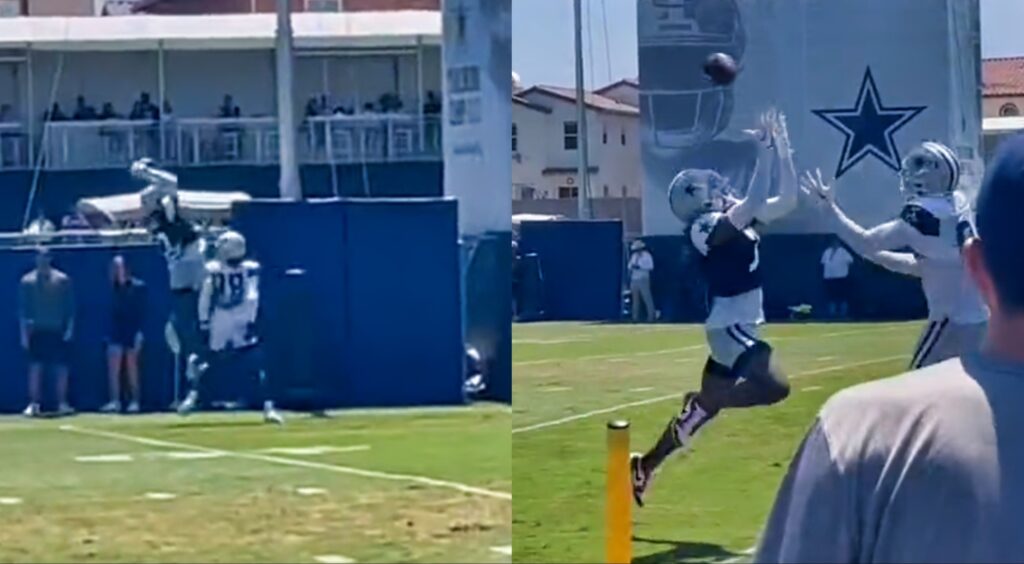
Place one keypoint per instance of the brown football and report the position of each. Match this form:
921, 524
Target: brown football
721, 69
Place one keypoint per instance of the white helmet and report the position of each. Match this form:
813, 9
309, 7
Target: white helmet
930, 169
697, 190
231, 246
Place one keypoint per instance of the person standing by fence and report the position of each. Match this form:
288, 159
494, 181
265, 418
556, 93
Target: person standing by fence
47, 314
124, 343
641, 263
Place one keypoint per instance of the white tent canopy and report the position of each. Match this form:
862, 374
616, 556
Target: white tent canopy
356, 30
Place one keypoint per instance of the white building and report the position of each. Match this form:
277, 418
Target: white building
545, 142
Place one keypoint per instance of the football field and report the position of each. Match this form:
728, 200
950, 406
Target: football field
706, 505
364, 486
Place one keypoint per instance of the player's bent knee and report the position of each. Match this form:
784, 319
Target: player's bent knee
755, 366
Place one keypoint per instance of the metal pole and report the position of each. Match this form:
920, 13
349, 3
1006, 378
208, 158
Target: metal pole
30, 106
289, 184
583, 200
161, 86
419, 91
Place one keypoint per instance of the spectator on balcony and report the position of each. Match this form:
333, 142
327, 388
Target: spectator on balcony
168, 113
228, 109
144, 109
107, 112
7, 114
390, 103
125, 338
83, 111
432, 106
54, 114
312, 108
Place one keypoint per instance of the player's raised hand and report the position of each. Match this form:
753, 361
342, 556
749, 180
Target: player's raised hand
763, 133
814, 186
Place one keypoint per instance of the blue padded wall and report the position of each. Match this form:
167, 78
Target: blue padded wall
404, 327
89, 270
582, 266
791, 266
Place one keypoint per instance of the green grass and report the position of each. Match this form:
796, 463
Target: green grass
242, 504
706, 505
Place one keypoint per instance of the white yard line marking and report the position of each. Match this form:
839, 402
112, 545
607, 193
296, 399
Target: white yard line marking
678, 396
293, 462
641, 389
10, 501
314, 450
105, 458
502, 549
310, 491
556, 389
824, 358
160, 496
745, 556
333, 559
624, 358
185, 455
810, 388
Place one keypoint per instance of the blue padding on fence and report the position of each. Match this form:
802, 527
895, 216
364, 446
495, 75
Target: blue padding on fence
582, 267
89, 270
381, 277
403, 306
792, 273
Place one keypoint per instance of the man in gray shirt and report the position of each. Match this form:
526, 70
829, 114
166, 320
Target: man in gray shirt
927, 466
47, 312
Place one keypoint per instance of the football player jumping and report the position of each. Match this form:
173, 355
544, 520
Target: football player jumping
722, 228
228, 308
934, 223
184, 250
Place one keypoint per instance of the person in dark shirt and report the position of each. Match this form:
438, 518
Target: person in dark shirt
124, 343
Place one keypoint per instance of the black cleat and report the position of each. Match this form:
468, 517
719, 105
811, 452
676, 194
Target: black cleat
639, 478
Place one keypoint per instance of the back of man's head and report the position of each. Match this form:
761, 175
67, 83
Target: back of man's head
999, 211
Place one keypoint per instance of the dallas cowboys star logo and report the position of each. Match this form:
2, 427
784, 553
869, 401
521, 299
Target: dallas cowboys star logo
868, 127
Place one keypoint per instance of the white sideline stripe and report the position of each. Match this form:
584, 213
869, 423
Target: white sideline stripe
313, 450
502, 549
677, 395
294, 462
186, 455
333, 559
10, 500
623, 358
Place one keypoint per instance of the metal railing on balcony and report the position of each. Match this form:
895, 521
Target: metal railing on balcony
338, 139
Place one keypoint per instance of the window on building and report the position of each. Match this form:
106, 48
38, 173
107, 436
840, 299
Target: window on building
1009, 109
623, 137
515, 138
568, 192
570, 136
528, 193
606, 191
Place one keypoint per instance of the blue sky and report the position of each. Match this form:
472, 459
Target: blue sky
542, 38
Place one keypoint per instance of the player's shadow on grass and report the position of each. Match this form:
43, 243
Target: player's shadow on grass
683, 551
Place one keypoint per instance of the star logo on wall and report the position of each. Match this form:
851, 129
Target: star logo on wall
868, 127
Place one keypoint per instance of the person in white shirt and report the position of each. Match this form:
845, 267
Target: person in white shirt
835, 262
641, 263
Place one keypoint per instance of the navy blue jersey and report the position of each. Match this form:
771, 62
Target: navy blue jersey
731, 266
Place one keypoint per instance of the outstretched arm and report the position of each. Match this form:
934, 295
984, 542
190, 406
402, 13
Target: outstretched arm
746, 210
903, 263
884, 237
785, 202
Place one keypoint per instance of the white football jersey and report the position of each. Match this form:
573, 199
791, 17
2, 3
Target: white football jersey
934, 228
229, 303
